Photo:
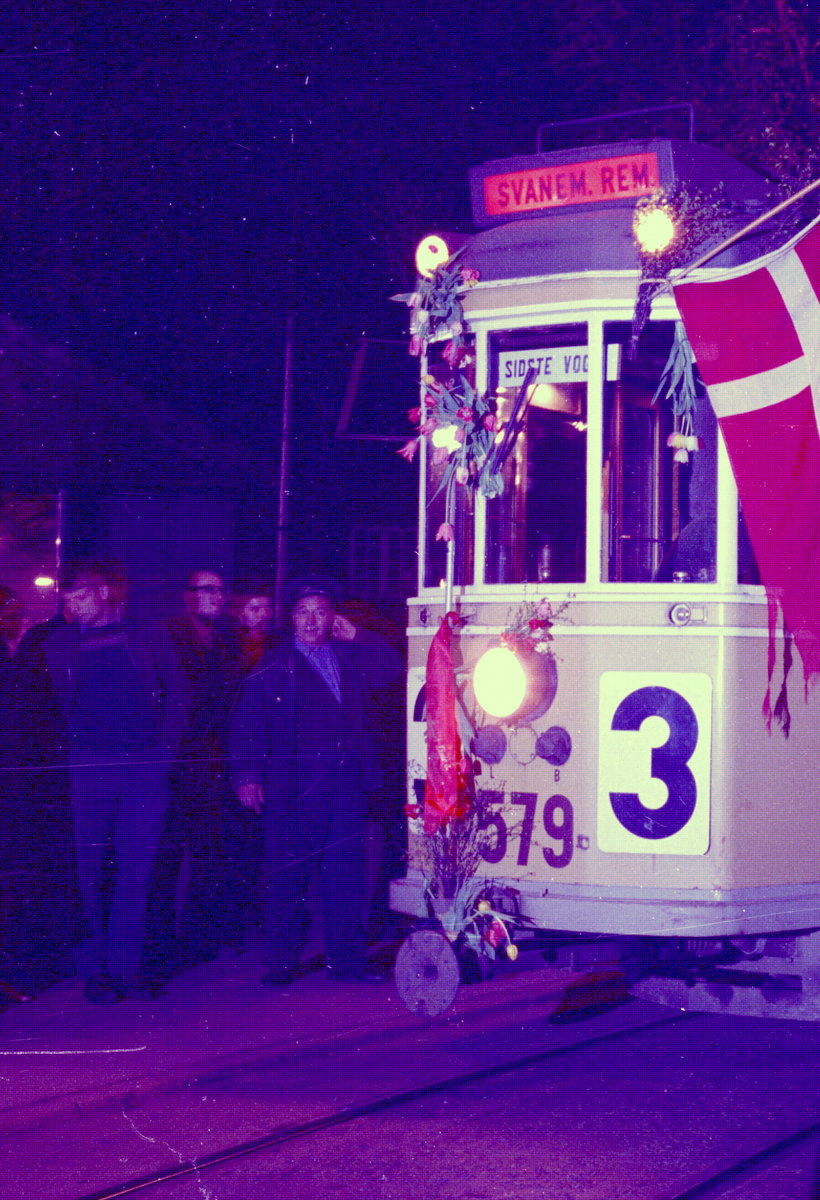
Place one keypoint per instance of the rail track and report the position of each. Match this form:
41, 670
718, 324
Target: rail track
717, 1184
286, 1134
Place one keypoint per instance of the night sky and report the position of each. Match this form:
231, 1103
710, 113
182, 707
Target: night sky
177, 177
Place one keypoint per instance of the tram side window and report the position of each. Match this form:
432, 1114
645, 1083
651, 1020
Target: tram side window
659, 516
536, 530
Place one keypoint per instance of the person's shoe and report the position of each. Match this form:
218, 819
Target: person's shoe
100, 989
279, 977
137, 987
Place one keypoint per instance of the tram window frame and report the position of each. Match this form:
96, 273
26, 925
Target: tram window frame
463, 522
658, 515
530, 540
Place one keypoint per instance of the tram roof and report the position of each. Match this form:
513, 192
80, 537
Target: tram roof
571, 210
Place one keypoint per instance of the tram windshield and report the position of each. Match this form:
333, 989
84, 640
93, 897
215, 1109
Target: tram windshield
659, 514
658, 508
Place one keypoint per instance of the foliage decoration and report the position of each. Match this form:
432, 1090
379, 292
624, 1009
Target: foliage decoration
530, 626
791, 171
458, 898
436, 310
460, 425
699, 220
681, 383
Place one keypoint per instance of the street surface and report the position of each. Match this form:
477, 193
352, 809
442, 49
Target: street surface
592, 1108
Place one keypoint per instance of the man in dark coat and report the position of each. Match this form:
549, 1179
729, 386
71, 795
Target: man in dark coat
120, 699
303, 758
207, 653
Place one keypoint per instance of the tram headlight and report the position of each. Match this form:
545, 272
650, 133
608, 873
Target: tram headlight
499, 682
514, 685
653, 228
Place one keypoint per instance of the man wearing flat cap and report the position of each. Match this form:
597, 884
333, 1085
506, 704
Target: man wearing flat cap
303, 758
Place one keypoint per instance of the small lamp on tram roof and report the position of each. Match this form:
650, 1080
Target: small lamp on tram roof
653, 228
435, 250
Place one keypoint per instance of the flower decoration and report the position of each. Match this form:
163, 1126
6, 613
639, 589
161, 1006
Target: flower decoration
472, 921
460, 425
529, 628
436, 311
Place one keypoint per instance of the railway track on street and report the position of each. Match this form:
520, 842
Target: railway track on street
288, 1134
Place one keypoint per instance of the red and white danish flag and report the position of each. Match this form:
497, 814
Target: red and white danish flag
755, 333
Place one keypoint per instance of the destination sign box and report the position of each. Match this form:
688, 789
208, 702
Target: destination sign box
622, 177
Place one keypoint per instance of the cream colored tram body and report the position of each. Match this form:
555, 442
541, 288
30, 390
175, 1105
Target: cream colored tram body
648, 802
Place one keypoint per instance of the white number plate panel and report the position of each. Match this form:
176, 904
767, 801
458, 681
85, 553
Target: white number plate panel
654, 762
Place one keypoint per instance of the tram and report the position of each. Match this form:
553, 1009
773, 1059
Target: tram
630, 791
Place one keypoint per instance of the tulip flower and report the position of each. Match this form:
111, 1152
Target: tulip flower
408, 450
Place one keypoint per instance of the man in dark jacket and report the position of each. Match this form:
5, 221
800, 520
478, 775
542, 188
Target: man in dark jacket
120, 700
207, 654
303, 758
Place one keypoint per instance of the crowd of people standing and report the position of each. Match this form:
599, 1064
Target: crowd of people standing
197, 757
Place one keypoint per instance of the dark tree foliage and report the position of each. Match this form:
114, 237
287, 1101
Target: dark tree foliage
750, 67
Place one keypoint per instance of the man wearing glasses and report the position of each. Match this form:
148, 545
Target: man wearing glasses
207, 651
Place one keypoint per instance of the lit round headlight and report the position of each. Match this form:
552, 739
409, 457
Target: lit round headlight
515, 685
500, 682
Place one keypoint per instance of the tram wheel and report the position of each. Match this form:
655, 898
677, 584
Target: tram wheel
427, 972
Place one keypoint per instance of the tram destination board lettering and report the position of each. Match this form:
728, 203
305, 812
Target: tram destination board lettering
562, 364
624, 177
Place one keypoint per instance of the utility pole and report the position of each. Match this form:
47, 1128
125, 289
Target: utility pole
284, 477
